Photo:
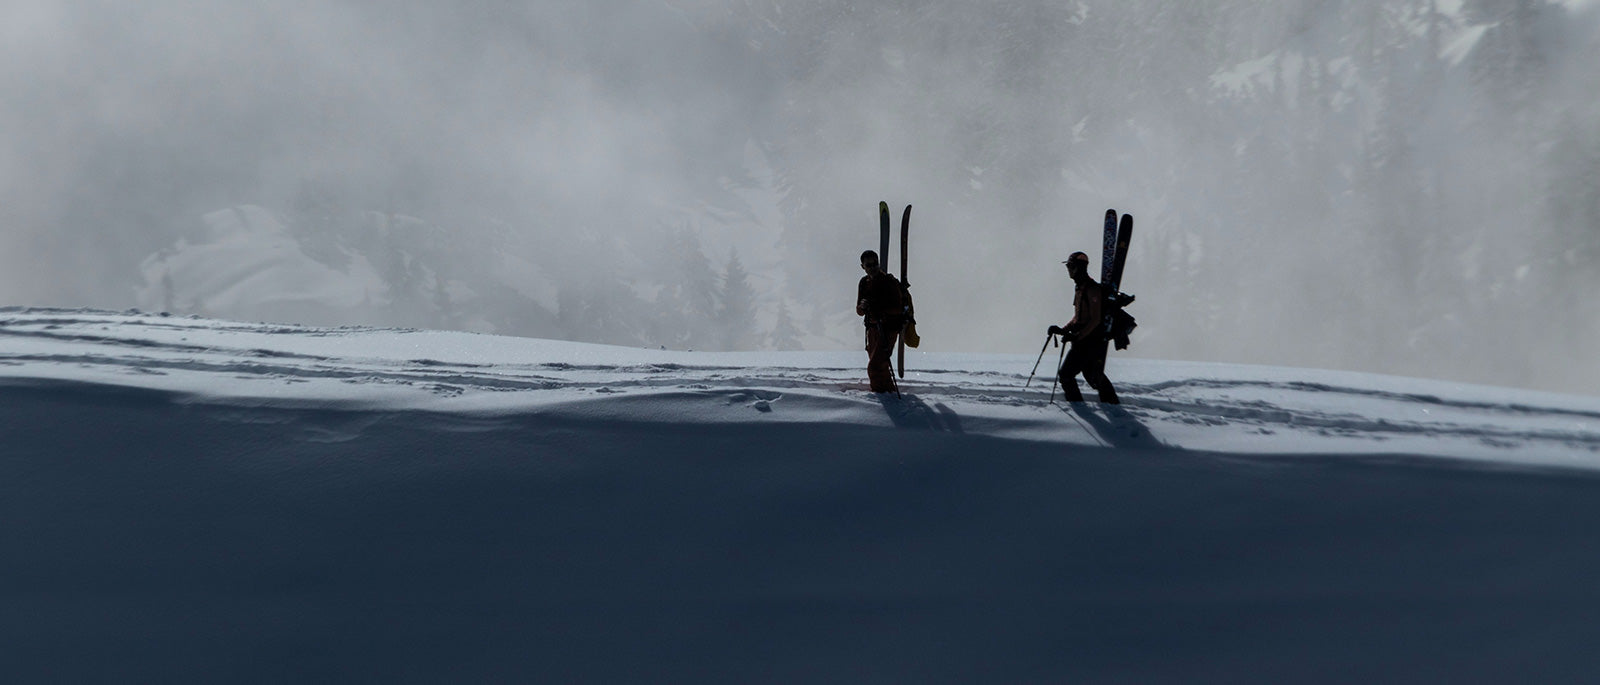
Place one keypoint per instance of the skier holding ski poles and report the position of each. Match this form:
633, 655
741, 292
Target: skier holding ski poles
879, 303
1086, 334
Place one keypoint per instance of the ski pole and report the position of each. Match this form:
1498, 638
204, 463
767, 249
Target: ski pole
902, 369
896, 382
1058, 374
1047, 338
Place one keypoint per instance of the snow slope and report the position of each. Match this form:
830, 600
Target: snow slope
194, 499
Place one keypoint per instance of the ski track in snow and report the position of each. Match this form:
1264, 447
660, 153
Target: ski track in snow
260, 362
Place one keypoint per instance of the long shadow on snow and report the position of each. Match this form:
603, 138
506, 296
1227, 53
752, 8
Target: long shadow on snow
1114, 426
909, 411
145, 540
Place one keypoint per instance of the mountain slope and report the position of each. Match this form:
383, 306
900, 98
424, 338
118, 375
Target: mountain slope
192, 499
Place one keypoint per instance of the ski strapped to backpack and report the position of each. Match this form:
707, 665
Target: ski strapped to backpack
908, 336
1119, 324
908, 333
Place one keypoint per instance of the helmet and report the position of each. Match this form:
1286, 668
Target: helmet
869, 258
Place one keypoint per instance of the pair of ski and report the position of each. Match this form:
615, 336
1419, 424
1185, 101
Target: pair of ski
1114, 254
883, 258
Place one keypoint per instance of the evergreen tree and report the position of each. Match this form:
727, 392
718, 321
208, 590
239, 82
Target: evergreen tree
1508, 62
1574, 206
169, 298
600, 309
445, 313
685, 312
784, 336
736, 317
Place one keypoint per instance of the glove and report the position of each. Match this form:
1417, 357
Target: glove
1056, 330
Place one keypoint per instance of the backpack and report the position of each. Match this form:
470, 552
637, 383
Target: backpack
1122, 324
909, 334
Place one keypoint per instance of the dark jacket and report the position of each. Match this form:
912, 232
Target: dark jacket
878, 299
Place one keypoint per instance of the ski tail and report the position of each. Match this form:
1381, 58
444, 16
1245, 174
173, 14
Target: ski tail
1124, 236
905, 231
883, 235
1108, 247
1120, 324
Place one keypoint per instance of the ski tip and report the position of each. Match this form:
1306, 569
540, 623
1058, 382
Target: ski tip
883, 206
1111, 212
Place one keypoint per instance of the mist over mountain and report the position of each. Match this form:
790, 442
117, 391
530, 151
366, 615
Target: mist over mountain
1403, 186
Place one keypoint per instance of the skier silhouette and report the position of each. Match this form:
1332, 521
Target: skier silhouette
879, 303
1087, 335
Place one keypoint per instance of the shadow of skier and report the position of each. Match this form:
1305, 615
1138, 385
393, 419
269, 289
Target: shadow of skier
909, 411
952, 420
1114, 426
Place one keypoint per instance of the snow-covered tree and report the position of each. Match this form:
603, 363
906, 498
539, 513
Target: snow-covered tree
737, 312
784, 335
601, 308
685, 312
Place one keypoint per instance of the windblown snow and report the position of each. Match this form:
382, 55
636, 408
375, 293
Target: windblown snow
197, 499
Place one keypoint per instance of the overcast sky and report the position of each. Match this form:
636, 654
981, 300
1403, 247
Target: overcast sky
124, 122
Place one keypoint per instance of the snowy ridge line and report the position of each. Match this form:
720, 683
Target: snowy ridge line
691, 395
260, 371
1323, 388
1167, 405
150, 344
430, 371
116, 329
444, 378
1356, 425
68, 317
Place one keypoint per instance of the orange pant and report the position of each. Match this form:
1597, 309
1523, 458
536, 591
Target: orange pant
881, 339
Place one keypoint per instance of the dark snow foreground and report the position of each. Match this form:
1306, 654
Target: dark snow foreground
199, 500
